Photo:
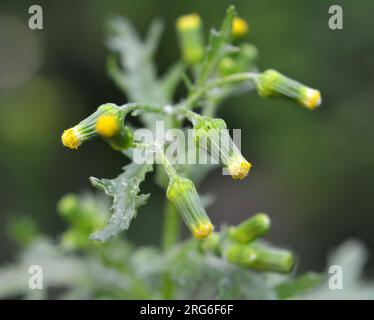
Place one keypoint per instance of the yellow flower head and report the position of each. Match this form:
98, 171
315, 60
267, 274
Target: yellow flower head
188, 21
311, 98
203, 231
239, 169
239, 27
70, 139
107, 125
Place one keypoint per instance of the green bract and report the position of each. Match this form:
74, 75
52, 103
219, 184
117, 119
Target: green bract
212, 135
182, 193
271, 83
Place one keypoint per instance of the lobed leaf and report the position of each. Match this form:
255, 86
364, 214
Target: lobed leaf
126, 199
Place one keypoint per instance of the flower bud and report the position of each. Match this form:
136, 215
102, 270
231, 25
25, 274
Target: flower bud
271, 259
239, 27
240, 255
247, 55
227, 66
190, 36
271, 83
122, 140
251, 229
182, 193
218, 142
106, 122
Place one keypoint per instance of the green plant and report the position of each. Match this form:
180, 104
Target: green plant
232, 262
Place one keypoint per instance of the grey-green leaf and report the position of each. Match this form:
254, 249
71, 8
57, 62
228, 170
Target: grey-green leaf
297, 286
126, 199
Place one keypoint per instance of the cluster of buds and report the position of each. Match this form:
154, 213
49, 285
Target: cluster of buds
212, 135
271, 83
190, 34
239, 246
240, 61
183, 195
107, 122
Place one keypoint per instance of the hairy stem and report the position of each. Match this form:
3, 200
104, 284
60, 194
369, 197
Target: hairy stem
238, 77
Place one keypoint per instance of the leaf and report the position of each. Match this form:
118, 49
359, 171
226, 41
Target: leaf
299, 285
126, 199
171, 79
154, 36
218, 46
136, 73
116, 74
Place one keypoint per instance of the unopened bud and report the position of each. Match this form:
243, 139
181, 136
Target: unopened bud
190, 36
251, 229
271, 83
182, 193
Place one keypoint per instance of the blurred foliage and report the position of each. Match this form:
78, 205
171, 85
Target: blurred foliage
74, 268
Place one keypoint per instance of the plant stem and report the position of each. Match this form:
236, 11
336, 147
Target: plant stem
238, 77
170, 236
171, 228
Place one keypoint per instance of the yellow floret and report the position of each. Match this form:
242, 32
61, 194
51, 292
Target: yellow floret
239, 169
189, 21
107, 126
203, 230
70, 139
312, 98
239, 27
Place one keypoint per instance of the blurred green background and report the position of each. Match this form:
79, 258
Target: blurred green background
313, 171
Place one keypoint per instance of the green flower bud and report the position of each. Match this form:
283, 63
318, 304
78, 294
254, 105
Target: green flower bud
247, 55
240, 255
271, 259
228, 66
123, 140
271, 83
239, 61
251, 229
182, 193
106, 122
190, 36
218, 142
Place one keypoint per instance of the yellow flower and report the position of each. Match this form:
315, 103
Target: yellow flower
70, 139
105, 121
311, 98
202, 231
107, 125
188, 21
239, 27
190, 36
239, 168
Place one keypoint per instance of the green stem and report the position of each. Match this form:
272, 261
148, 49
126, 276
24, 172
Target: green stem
238, 77
170, 236
171, 228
